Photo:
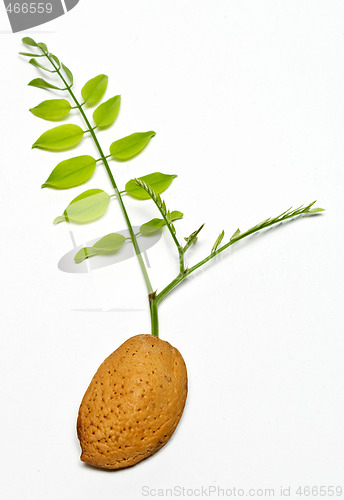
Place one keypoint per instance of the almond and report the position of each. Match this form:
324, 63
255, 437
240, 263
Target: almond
133, 403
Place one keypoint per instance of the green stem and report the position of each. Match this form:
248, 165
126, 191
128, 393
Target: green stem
181, 276
153, 306
170, 286
162, 209
175, 239
178, 245
154, 316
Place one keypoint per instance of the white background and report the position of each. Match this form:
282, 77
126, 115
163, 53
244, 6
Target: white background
247, 99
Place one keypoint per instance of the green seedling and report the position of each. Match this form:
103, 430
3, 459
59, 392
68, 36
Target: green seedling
93, 203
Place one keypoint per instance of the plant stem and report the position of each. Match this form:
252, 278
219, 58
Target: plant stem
152, 302
176, 241
153, 307
162, 209
178, 245
269, 222
174, 237
170, 286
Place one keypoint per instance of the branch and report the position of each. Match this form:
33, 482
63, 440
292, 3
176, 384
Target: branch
161, 206
288, 214
52, 61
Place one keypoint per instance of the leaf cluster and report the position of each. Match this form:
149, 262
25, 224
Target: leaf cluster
91, 204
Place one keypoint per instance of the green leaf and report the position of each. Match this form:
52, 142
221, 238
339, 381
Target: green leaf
128, 147
60, 218
110, 243
35, 63
152, 226
107, 245
71, 173
315, 210
53, 109
94, 90
83, 254
29, 41
217, 242
87, 207
175, 215
159, 182
68, 73
30, 54
192, 239
107, 112
155, 225
43, 84
234, 235
56, 60
42, 46
60, 138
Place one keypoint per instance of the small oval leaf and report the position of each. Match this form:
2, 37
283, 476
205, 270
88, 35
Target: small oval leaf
30, 54
108, 245
60, 218
59, 138
71, 173
43, 47
152, 226
56, 60
158, 181
315, 210
84, 253
68, 73
155, 225
87, 207
107, 112
175, 215
130, 146
43, 84
94, 90
53, 109
29, 41
40, 66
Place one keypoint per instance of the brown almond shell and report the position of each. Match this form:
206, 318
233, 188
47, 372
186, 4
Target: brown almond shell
133, 403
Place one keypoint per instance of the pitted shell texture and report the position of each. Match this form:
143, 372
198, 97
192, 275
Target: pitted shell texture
133, 403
